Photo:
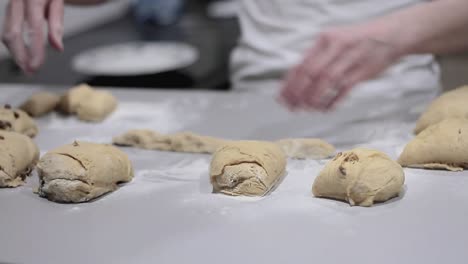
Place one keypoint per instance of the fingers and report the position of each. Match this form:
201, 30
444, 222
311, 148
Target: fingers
332, 78
344, 90
295, 80
35, 18
22, 13
286, 97
55, 19
356, 76
13, 33
319, 59
298, 81
305, 75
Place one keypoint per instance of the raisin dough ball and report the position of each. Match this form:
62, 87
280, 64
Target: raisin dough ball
17, 121
18, 156
248, 168
82, 171
360, 177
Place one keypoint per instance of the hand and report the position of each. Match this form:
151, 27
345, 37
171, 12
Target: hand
30, 16
340, 59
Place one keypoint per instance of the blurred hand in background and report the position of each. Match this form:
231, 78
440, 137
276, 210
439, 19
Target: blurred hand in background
341, 58
28, 18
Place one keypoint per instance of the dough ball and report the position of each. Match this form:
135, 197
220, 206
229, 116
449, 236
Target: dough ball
361, 177
88, 104
40, 103
452, 104
440, 146
306, 148
17, 121
82, 171
179, 142
248, 168
18, 156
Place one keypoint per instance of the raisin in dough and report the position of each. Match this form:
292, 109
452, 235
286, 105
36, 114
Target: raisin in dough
361, 177
88, 104
248, 168
82, 171
440, 146
178, 142
452, 104
40, 103
17, 121
18, 156
306, 148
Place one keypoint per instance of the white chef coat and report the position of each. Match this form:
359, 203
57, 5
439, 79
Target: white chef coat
276, 34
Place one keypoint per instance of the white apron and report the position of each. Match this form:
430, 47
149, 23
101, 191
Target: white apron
276, 34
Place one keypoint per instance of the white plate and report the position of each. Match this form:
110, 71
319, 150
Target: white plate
135, 58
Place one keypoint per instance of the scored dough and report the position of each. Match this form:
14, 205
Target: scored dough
300, 148
88, 104
452, 104
248, 168
178, 142
306, 148
17, 121
361, 177
18, 156
40, 103
82, 171
440, 146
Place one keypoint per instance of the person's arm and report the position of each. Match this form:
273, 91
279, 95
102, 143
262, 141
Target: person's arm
30, 16
436, 27
343, 57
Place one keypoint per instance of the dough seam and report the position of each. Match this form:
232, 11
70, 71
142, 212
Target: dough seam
239, 163
65, 179
73, 158
438, 166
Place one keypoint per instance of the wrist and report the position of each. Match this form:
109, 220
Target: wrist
394, 33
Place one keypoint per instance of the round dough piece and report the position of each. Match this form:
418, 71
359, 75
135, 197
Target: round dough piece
440, 146
361, 177
18, 156
452, 104
17, 121
40, 103
82, 171
178, 142
306, 148
248, 168
88, 104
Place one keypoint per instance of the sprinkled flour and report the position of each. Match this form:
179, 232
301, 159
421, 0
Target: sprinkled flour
165, 117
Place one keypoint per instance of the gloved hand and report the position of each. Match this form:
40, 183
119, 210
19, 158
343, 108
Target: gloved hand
30, 17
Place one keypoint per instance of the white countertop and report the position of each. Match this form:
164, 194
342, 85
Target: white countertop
168, 214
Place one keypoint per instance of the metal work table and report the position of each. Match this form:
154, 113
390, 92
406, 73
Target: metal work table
168, 214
